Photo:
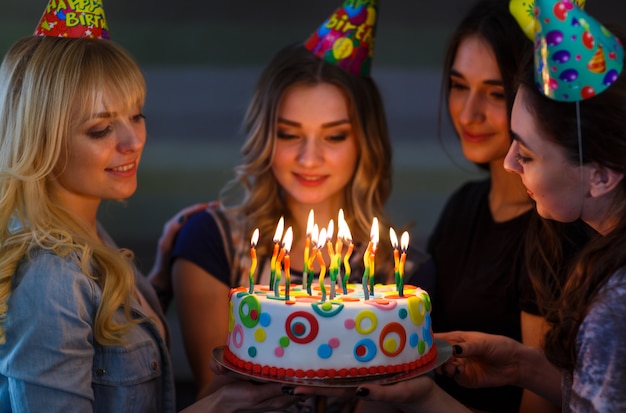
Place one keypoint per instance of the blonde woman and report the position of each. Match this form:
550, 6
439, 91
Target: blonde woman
80, 328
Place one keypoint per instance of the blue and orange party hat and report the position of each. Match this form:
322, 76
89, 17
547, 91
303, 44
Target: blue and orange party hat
576, 57
75, 19
346, 38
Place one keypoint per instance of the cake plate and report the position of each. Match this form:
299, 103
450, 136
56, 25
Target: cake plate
444, 351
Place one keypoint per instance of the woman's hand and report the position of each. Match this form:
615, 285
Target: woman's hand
482, 360
487, 360
160, 275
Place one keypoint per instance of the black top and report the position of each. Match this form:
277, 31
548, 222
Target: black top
481, 281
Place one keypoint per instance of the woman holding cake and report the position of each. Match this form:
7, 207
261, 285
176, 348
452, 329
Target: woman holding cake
317, 140
477, 244
569, 148
80, 328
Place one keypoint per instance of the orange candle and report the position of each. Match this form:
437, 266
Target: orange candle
287, 262
277, 237
320, 261
375, 237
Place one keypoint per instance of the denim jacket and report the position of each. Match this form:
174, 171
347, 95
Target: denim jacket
50, 361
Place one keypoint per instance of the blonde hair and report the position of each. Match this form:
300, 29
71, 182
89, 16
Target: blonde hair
262, 203
47, 86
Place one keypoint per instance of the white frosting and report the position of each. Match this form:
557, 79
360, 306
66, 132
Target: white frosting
348, 332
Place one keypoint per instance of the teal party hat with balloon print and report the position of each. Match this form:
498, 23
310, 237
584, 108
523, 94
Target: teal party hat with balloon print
576, 57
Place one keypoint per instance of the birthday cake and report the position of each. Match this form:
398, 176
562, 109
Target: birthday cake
350, 335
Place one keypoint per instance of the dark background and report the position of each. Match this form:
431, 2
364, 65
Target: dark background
201, 60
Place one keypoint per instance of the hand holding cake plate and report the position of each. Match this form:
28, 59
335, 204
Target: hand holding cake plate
444, 351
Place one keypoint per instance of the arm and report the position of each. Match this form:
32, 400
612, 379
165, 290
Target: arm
486, 360
202, 303
48, 356
533, 331
160, 276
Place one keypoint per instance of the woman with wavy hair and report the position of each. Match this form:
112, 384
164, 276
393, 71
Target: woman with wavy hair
80, 328
317, 140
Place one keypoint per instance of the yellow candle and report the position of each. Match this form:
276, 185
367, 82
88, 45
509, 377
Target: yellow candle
307, 246
277, 237
396, 263
320, 260
314, 238
329, 244
253, 242
287, 262
279, 261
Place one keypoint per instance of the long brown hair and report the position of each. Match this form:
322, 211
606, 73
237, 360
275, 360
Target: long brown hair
365, 195
602, 125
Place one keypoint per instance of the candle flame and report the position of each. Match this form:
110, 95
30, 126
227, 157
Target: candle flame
394, 238
288, 240
404, 241
347, 236
315, 234
322, 237
374, 232
310, 223
279, 230
255, 238
330, 230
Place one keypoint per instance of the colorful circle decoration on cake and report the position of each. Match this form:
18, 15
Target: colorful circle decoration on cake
73, 19
576, 57
346, 38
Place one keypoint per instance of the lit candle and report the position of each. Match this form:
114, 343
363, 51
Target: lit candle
279, 261
333, 268
253, 242
314, 237
396, 259
341, 222
366, 271
320, 259
404, 242
329, 236
374, 236
346, 258
277, 237
287, 262
307, 245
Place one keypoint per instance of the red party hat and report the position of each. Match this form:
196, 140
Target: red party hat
73, 18
346, 38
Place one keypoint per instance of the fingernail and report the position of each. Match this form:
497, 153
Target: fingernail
456, 349
182, 219
362, 392
287, 390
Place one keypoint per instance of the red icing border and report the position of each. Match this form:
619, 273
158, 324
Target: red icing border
263, 370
